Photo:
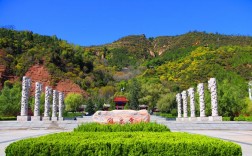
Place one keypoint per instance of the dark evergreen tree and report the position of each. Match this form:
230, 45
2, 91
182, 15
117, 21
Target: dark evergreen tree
134, 90
90, 107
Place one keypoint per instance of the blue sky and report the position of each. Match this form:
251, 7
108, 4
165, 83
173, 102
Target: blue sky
94, 22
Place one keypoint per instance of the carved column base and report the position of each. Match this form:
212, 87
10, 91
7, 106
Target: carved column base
46, 118
184, 119
36, 118
192, 119
215, 118
23, 118
178, 119
60, 118
203, 118
54, 118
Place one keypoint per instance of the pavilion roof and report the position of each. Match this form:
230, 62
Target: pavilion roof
120, 99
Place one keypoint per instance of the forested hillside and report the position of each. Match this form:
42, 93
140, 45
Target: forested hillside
146, 70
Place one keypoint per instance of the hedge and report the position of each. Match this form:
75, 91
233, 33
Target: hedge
226, 118
243, 118
123, 144
4, 118
165, 115
147, 127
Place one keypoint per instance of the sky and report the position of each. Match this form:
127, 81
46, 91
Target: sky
96, 22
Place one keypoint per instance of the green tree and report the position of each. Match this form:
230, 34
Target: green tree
73, 101
10, 99
166, 102
231, 100
134, 90
90, 107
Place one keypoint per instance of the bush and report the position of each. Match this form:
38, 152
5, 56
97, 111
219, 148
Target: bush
226, 118
123, 144
243, 118
147, 127
165, 115
8, 118
72, 114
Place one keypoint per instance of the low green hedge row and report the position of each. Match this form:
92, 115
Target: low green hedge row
3, 118
147, 127
123, 144
243, 118
226, 118
165, 115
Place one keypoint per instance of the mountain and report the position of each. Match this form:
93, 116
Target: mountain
162, 65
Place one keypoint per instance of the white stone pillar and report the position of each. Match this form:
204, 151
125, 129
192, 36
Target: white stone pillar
178, 99
38, 90
26, 83
48, 93
61, 105
250, 90
54, 106
212, 86
192, 104
200, 89
184, 97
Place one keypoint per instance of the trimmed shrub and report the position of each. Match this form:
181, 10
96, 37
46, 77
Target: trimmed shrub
226, 118
123, 144
147, 127
165, 115
4, 118
243, 118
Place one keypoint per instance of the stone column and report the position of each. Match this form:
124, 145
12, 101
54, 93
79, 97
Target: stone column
54, 106
61, 105
48, 93
192, 104
178, 99
212, 86
38, 89
26, 83
184, 97
200, 90
250, 89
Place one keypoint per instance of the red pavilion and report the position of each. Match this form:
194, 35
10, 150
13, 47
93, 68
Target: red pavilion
120, 102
